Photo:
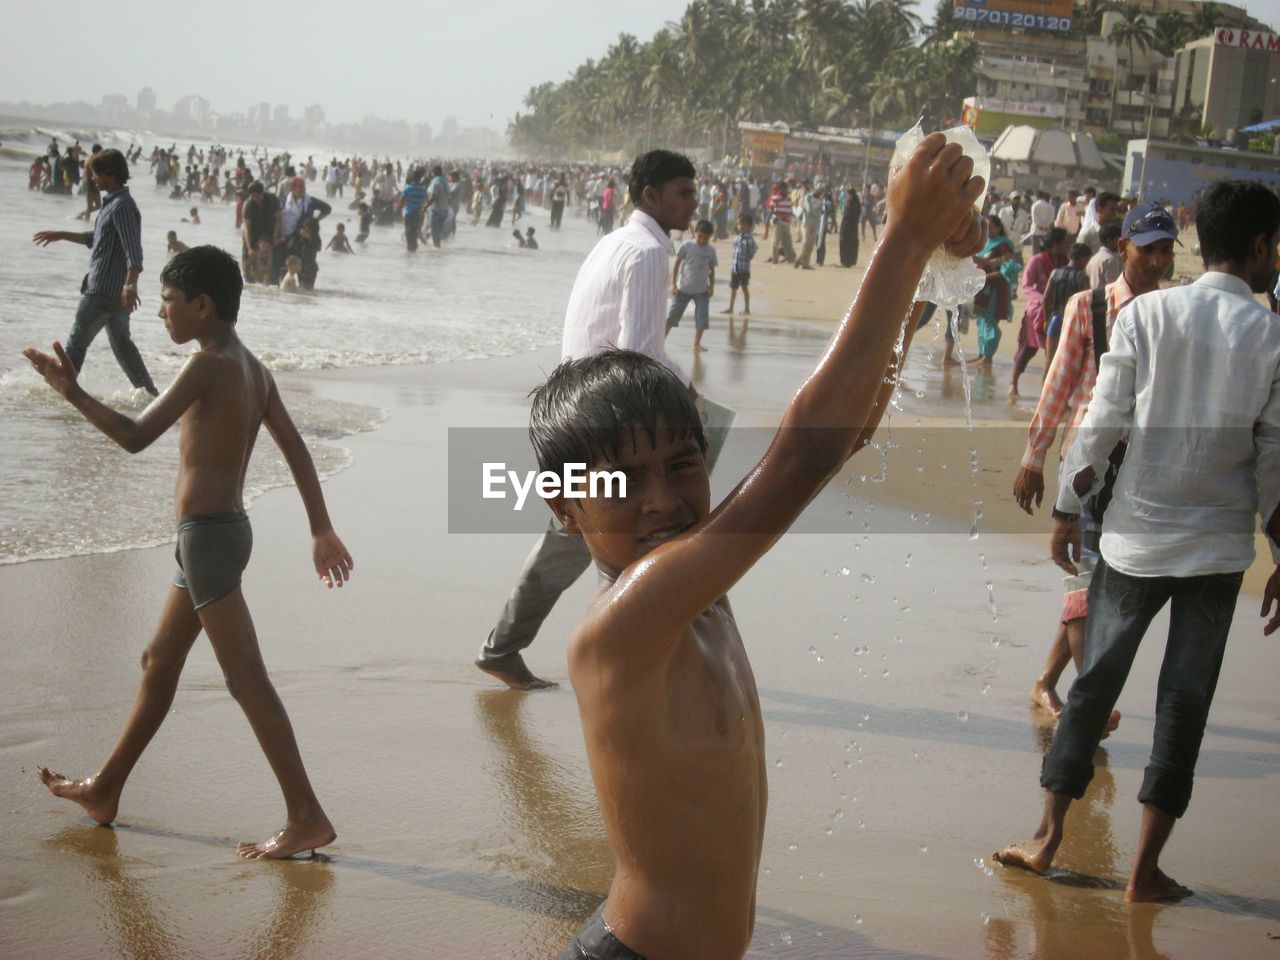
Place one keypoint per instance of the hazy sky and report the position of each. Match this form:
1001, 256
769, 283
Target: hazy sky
419, 60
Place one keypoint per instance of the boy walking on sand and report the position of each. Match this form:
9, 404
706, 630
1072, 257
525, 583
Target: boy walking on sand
694, 278
221, 398
744, 249
669, 708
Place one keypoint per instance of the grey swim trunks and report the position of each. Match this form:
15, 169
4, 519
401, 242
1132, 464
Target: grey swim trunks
596, 941
213, 550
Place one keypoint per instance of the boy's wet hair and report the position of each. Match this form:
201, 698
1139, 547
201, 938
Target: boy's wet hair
209, 270
704, 226
110, 162
655, 168
1081, 251
591, 407
1231, 215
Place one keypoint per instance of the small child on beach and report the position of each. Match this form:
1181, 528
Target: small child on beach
694, 278
529, 240
175, 245
744, 249
260, 266
194, 216
220, 399
366, 222
339, 243
292, 267
519, 238
669, 707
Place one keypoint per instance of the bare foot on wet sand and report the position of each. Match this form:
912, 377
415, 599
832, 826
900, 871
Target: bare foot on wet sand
98, 802
1035, 855
1045, 697
294, 838
513, 672
1155, 889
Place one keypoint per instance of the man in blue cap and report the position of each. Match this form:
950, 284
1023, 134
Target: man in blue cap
1192, 376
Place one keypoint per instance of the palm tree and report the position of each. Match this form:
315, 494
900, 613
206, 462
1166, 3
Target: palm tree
1133, 30
1172, 30
1205, 20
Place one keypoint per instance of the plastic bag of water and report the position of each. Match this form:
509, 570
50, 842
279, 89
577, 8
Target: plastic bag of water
948, 281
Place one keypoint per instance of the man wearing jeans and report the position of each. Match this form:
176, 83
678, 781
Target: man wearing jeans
1193, 376
109, 292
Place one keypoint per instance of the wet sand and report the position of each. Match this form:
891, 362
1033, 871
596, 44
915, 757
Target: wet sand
901, 747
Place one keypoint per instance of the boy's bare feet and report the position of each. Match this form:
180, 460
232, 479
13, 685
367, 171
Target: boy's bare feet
513, 672
1044, 696
728, 311
1035, 855
294, 838
1156, 888
98, 802
746, 312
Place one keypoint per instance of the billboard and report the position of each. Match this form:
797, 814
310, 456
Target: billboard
1018, 14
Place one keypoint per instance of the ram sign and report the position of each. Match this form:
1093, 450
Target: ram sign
1248, 39
1017, 14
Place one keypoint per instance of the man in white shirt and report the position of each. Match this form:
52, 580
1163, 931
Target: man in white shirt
1042, 214
1193, 376
619, 299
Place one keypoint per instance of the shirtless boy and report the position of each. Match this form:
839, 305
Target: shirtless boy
221, 397
669, 707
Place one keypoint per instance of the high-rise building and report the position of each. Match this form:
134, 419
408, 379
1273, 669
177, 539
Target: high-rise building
313, 117
114, 106
1228, 80
280, 116
146, 100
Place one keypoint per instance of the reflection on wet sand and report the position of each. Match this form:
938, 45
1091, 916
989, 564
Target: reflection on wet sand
136, 914
561, 841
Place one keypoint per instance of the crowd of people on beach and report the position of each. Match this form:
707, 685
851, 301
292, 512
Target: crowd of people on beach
670, 712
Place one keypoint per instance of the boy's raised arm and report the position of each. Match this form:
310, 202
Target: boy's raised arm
332, 561
133, 435
836, 410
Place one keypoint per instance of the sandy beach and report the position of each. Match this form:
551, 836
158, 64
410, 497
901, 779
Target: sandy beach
894, 643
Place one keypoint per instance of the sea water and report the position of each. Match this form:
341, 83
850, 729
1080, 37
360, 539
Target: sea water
65, 489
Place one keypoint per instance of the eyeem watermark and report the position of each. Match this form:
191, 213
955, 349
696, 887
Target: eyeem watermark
576, 483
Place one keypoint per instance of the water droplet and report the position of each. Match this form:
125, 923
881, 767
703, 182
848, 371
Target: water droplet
777, 763
961, 715
985, 688
793, 847
908, 563
786, 937
924, 848
844, 571
885, 675
862, 824
838, 814
868, 578
830, 831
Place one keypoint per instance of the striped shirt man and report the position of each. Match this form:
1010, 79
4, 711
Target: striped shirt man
619, 298
780, 205
115, 244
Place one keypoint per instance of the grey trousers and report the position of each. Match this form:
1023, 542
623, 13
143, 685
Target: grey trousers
556, 561
95, 312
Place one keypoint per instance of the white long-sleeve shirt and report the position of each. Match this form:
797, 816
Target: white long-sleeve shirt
619, 298
1193, 375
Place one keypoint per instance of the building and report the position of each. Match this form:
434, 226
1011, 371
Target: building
832, 152
280, 117
313, 117
146, 100
1229, 80
1175, 173
192, 109
1028, 158
1035, 70
114, 106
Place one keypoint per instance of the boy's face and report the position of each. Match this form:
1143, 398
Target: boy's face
703, 238
668, 493
184, 319
744, 226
